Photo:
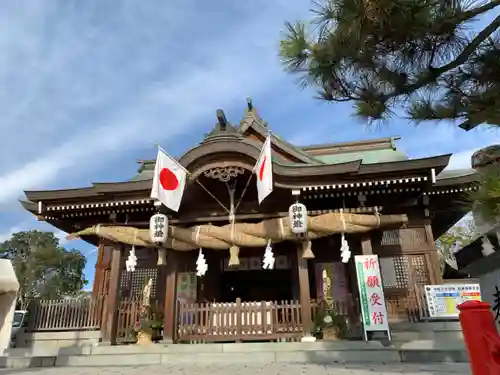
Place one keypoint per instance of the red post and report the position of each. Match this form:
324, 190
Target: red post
477, 322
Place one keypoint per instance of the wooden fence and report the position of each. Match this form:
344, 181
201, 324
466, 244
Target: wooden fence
409, 305
240, 321
65, 315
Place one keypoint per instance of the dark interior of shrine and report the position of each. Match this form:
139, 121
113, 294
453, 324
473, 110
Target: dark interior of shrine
256, 285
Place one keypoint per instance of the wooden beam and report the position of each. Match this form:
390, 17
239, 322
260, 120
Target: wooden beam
170, 300
110, 321
305, 295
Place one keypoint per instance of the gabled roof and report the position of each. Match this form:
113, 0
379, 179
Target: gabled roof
366, 157
457, 177
293, 166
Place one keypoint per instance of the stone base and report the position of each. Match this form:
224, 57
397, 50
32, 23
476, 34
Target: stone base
308, 339
35, 340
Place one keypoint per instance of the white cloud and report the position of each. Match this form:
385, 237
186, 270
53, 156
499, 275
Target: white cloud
461, 159
243, 62
4, 236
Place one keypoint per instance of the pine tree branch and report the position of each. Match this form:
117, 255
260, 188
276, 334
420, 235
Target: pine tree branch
468, 15
433, 73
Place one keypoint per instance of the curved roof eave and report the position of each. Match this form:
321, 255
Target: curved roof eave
251, 152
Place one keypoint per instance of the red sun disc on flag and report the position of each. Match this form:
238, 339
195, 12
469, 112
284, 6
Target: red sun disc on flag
168, 179
261, 169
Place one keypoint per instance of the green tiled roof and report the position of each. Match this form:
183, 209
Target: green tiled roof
453, 173
368, 157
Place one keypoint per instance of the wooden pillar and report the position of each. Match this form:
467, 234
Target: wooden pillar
99, 275
110, 318
305, 294
161, 284
431, 258
366, 244
170, 300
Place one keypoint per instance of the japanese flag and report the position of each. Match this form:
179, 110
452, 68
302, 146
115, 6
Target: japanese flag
264, 171
168, 181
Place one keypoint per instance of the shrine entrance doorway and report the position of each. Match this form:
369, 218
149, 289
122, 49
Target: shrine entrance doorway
251, 282
257, 285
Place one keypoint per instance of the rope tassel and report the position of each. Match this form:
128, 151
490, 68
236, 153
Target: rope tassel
307, 252
162, 257
234, 259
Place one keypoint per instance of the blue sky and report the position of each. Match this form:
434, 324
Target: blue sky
89, 86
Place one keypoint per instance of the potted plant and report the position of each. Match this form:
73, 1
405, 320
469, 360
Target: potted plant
148, 327
328, 325
335, 326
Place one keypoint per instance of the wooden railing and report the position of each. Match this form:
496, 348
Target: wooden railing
240, 321
65, 315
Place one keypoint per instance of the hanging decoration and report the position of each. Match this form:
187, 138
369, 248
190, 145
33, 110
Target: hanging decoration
268, 261
297, 214
201, 265
345, 252
131, 262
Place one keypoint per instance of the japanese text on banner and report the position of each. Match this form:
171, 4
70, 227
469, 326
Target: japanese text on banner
371, 293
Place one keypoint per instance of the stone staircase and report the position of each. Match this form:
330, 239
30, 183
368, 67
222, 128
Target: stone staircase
411, 342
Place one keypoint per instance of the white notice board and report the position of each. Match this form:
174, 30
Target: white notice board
442, 300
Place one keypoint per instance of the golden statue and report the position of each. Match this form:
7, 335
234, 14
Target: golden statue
146, 293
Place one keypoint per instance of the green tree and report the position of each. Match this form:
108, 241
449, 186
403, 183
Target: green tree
43, 268
419, 55
454, 239
487, 196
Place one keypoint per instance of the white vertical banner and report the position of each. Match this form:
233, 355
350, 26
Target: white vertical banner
371, 294
264, 171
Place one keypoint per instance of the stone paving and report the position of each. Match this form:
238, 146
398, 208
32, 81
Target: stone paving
271, 369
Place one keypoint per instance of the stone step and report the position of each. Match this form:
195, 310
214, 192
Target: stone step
261, 353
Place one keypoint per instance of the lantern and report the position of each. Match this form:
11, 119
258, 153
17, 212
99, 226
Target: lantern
158, 228
297, 214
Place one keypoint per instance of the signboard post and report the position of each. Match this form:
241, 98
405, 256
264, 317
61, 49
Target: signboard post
186, 287
371, 295
443, 300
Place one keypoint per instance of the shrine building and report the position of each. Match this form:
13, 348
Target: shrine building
366, 192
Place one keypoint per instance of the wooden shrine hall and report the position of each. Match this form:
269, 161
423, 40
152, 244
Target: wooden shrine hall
384, 202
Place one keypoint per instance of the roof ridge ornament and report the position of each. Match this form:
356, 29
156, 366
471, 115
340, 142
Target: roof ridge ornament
251, 111
221, 118
249, 104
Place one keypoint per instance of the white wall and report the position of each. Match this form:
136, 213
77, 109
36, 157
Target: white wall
7, 307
